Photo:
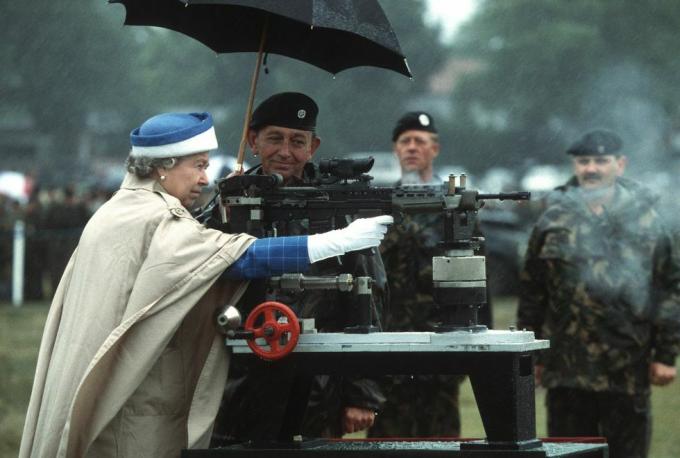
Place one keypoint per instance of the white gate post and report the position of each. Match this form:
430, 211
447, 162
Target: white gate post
18, 254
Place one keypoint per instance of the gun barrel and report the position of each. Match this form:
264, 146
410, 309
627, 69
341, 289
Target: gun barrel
520, 195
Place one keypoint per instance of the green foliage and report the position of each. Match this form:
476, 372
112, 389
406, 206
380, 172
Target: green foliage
553, 69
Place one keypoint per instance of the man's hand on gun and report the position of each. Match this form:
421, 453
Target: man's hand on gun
356, 419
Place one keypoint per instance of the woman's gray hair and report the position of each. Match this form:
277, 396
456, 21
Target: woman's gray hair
143, 167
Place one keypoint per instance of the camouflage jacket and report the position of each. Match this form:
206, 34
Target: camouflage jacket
407, 252
605, 289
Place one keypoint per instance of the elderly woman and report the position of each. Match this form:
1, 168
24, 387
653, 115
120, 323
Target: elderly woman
130, 362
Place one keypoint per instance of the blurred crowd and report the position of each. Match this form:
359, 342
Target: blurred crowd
54, 219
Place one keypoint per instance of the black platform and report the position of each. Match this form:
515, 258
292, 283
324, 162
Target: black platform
502, 382
402, 448
500, 365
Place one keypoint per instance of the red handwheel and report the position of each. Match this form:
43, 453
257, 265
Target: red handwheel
281, 337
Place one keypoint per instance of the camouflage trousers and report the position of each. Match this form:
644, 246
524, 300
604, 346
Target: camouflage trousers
623, 419
420, 406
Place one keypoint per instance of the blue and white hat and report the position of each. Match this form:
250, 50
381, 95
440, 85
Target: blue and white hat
173, 135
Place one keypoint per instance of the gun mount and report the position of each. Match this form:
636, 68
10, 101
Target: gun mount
499, 363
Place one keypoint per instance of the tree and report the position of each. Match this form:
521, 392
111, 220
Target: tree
554, 69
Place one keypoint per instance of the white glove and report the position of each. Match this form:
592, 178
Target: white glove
358, 235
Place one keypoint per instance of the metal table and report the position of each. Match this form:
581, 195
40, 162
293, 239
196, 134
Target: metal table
499, 364
411, 448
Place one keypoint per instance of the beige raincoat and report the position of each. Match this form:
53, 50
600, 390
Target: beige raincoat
130, 363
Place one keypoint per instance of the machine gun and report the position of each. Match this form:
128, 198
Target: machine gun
261, 206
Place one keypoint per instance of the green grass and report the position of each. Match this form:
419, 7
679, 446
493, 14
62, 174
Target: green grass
471, 423
21, 329
20, 333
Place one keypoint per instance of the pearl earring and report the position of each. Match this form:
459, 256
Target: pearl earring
162, 177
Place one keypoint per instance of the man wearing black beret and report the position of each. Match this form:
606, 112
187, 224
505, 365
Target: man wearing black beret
283, 136
416, 145
601, 283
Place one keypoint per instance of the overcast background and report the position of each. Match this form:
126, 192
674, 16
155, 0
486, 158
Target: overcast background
510, 84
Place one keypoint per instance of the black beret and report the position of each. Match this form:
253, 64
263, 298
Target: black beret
287, 109
596, 143
414, 120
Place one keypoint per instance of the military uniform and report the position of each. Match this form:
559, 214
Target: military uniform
605, 290
256, 398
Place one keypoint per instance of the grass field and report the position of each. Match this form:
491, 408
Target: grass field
21, 329
20, 332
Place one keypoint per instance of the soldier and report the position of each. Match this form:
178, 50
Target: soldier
424, 405
600, 281
416, 145
283, 135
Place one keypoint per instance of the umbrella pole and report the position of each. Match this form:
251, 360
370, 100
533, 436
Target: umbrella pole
251, 98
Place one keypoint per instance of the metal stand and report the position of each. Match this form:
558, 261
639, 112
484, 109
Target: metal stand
421, 448
361, 286
499, 363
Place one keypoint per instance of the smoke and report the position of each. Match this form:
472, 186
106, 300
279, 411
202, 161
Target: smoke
622, 98
609, 259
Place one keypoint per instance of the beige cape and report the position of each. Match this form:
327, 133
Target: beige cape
130, 362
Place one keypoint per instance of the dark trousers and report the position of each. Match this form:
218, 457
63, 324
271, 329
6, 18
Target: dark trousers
624, 420
420, 406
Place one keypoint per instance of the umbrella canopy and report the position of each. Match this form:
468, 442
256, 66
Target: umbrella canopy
331, 34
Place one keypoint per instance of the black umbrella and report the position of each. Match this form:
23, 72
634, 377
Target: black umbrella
331, 34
